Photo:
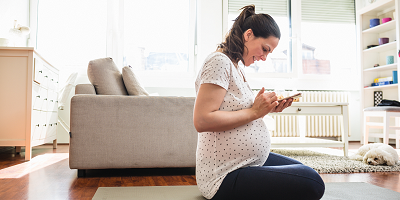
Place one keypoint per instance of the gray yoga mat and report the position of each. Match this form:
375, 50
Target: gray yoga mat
333, 191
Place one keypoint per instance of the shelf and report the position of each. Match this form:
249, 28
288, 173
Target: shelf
382, 27
382, 87
377, 55
382, 68
382, 48
374, 8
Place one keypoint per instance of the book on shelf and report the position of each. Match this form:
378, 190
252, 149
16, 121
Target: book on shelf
383, 79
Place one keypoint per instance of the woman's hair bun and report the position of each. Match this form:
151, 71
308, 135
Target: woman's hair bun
250, 9
247, 11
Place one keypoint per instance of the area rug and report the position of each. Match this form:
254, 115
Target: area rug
325, 163
333, 191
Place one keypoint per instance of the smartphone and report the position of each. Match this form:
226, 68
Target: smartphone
298, 95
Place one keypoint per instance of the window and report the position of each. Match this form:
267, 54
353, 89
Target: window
156, 35
321, 32
328, 36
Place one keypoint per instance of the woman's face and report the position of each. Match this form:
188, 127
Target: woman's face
257, 48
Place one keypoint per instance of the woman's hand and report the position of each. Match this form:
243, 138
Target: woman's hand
282, 105
264, 103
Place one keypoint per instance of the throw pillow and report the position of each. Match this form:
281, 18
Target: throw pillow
131, 83
105, 77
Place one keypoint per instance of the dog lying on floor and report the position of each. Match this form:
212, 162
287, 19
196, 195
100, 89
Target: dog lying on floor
376, 154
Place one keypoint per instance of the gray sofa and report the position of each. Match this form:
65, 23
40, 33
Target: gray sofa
126, 131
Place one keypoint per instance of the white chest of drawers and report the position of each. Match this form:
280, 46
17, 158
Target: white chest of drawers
28, 99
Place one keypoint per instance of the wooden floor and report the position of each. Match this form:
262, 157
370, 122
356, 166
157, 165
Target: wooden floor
54, 180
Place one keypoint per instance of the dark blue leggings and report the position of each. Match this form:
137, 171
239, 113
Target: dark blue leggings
279, 178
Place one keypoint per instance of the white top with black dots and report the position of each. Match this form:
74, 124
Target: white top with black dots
219, 153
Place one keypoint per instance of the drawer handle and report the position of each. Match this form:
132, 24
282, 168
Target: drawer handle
52, 79
55, 123
44, 125
40, 71
51, 100
51, 124
45, 99
38, 96
56, 101
37, 125
298, 109
46, 76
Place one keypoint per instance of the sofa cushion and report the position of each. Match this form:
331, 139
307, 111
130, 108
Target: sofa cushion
105, 77
132, 83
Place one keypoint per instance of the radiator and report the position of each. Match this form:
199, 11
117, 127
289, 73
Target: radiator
315, 125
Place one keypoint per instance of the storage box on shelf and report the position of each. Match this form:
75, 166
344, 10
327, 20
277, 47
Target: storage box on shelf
28, 101
378, 55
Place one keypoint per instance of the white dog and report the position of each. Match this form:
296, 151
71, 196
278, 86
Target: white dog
376, 154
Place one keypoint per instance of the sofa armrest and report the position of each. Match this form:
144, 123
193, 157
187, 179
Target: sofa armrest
113, 131
85, 89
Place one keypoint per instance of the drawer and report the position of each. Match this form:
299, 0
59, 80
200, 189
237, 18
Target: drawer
42, 73
37, 126
55, 106
45, 97
43, 123
56, 80
52, 118
50, 82
51, 130
52, 104
46, 77
38, 72
53, 81
313, 110
37, 97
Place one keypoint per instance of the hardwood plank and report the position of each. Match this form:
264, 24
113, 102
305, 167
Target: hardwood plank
92, 182
159, 181
190, 179
127, 181
142, 181
108, 182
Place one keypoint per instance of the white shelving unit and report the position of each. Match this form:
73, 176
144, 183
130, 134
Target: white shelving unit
377, 55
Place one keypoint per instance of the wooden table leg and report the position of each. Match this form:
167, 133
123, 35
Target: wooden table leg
345, 128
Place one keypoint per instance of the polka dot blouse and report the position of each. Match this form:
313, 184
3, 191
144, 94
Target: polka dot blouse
219, 153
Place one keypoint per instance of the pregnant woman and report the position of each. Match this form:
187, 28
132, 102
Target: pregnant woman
233, 158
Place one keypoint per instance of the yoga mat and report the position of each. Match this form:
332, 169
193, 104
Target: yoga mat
333, 191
